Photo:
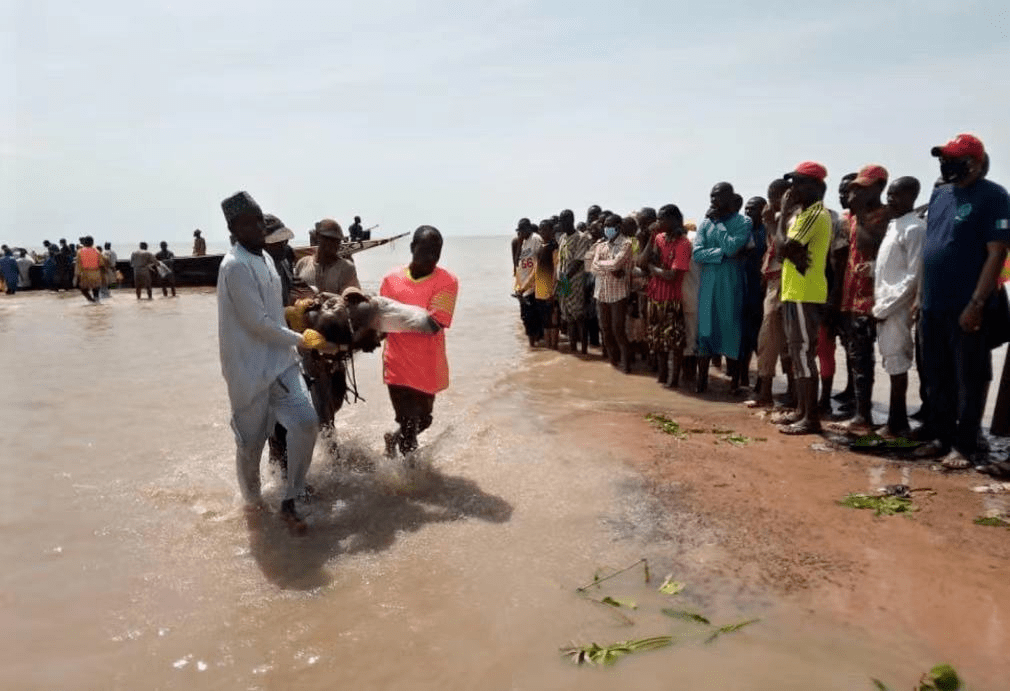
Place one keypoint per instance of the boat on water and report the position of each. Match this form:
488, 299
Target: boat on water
202, 271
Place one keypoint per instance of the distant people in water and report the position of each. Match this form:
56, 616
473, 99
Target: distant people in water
166, 269
89, 269
199, 244
9, 271
142, 262
111, 277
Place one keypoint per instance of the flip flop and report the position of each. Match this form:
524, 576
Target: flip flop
955, 461
798, 428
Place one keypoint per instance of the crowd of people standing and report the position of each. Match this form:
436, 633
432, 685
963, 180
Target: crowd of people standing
786, 279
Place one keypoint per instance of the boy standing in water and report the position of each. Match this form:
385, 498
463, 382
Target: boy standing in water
415, 367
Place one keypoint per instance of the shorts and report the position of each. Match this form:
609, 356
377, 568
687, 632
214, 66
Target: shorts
894, 339
802, 321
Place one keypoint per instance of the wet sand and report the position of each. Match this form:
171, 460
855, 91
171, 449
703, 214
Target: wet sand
769, 511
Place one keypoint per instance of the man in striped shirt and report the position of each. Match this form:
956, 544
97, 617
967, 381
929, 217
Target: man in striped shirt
804, 252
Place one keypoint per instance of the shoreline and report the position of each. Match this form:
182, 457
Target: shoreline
772, 502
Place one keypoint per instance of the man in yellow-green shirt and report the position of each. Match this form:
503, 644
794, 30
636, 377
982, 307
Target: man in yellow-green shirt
804, 251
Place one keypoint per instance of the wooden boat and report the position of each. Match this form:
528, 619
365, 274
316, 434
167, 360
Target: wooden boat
202, 271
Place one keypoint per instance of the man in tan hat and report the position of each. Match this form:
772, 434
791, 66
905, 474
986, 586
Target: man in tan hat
327, 271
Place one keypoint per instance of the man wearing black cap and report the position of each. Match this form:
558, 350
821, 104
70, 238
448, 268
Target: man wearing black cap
259, 361
967, 235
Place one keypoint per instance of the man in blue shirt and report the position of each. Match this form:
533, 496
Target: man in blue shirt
967, 235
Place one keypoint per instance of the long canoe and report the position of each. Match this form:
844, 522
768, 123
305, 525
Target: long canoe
202, 271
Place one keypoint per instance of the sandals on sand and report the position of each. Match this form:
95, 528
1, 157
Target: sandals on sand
799, 428
955, 461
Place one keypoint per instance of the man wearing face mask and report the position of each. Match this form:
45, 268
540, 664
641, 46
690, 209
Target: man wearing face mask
612, 266
967, 235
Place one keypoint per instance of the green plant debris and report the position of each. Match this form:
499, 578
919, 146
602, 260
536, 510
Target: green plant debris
594, 654
630, 604
597, 580
736, 439
994, 521
730, 628
882, 506
940, 678
671, 587
687, 616
666, 425
720, 430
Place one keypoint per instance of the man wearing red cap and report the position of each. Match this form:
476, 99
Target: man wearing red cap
804, 249
867, 226
967, 235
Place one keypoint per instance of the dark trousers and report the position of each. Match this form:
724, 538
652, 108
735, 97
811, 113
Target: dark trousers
613, 329
413, 410
861, 333
958, 368
532, 318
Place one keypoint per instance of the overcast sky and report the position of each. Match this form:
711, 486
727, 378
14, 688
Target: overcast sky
132, 120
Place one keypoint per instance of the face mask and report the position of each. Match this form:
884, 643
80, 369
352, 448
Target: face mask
953, 170
610, 233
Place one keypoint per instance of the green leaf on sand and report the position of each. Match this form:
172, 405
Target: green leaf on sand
666, 425
994, 521
940, 678
686, 616
630, 604
730, 628
881, 686
670, 586
595, 654
882, 506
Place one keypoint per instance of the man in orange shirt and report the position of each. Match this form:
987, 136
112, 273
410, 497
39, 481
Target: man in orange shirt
414, 365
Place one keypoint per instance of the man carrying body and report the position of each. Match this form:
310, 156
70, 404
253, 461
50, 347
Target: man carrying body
143, 263
326, 270
167, 259
967, 234
259, 361
867, 227
896, 278
415, 367
804, 252
199, 244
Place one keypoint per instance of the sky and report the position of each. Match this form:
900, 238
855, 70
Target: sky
131, 121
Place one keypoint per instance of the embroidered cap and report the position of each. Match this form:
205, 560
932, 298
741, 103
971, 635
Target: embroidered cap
239, 204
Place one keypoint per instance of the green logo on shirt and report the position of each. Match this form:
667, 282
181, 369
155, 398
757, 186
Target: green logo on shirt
963, 212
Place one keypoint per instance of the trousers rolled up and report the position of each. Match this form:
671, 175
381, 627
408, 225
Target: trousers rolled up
287, 402
958, 368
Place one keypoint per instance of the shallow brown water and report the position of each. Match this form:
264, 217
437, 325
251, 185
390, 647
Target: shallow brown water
130, 564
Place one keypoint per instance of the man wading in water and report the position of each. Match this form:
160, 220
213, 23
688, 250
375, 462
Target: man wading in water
415, 367
259, 361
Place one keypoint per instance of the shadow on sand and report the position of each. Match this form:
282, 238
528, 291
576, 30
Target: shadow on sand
355, 512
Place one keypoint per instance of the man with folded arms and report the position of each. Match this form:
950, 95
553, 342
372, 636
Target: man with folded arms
804, 252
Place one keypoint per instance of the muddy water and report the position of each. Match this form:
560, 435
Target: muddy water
130, 564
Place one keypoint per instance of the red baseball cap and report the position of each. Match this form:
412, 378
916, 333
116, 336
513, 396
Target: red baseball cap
869, 175
961, 145
809, 169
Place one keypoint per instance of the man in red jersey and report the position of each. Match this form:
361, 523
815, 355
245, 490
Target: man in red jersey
414, 365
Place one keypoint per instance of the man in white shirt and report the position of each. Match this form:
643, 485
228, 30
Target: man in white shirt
896, 277
259, 361
526, 273
24, 263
